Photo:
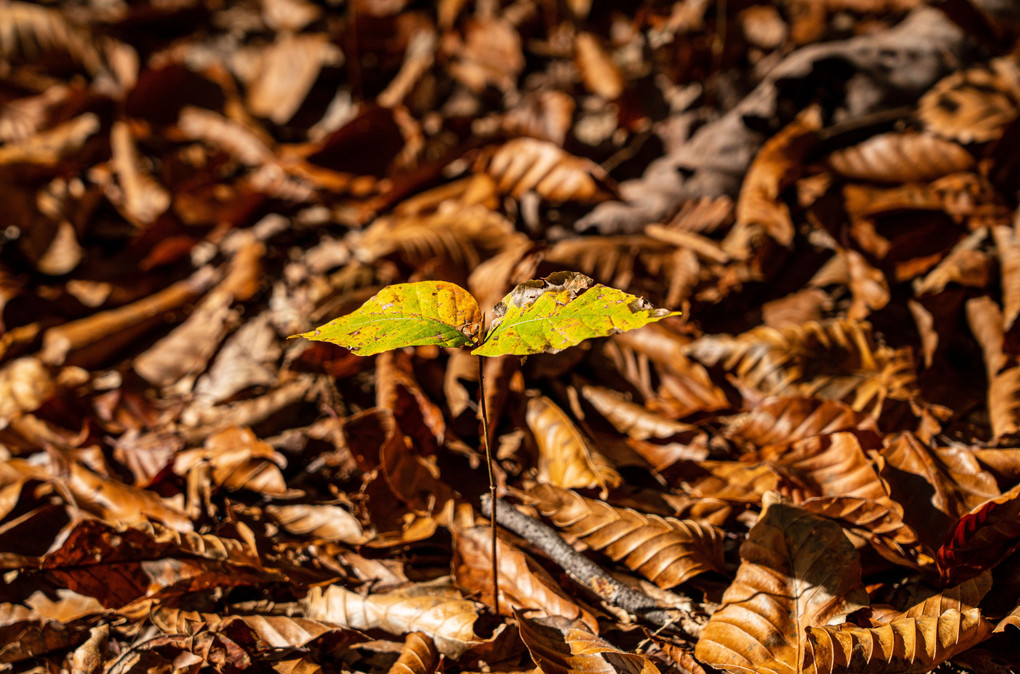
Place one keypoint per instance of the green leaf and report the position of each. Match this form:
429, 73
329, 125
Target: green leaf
406, 314
561, 310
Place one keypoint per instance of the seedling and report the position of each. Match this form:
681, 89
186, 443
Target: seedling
539, 316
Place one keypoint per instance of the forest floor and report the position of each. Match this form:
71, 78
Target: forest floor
814, 468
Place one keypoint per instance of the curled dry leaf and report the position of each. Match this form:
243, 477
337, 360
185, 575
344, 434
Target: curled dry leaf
664, 550
982, 538
528, 164
25, 384
921, 477
633, 419
565, 457
330, 523
559, 645
239, 460
1008, 247
436, 610
523, 584
985, 320
907, 644
418, 655
797, 570
120, 502
777, 166
901, 157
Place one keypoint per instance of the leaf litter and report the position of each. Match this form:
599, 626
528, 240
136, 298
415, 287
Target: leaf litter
811, 465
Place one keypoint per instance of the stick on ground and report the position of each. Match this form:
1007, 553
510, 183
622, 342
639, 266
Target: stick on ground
587, 573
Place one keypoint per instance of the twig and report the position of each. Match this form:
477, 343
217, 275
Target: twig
492, 484
587, 573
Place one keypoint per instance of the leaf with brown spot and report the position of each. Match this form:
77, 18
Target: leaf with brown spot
664, 550
973, 105
797, 571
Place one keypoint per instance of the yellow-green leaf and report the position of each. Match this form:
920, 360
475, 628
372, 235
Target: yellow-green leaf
561, 310
406, 314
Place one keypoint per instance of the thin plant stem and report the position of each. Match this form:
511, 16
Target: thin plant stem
492, 482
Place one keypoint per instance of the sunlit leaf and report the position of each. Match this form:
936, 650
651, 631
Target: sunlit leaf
564, 309
797, 570
406, 314
566, 458
436, 610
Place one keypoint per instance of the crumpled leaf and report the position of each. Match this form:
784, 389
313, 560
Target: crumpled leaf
797, 571
561, 310
434, 609
405, 314
982, 537
559, 645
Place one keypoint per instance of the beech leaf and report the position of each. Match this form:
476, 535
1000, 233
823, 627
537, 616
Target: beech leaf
426, 313
563, 309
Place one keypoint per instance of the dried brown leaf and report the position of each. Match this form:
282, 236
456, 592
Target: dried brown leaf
973, 105
797, 571
327, 522
523, 584
899, 157
908, 644
559, 645
982, 538
781, 420
528, 164
664, 550
777, 166
598, 72
1003, 370
418, 655
434, 609
565, 457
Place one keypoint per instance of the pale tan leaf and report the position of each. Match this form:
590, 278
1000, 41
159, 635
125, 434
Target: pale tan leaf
664, 550
143, 198
797, 571
1003, 370
623, 261
559, 645
418, 655
434, 609
565, 457
965, 264
528, 164
120, 502
331, 523
598, 72
973, 105
905, 645
899, 157
1008, 247
25, 384
463, 234
29, 31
